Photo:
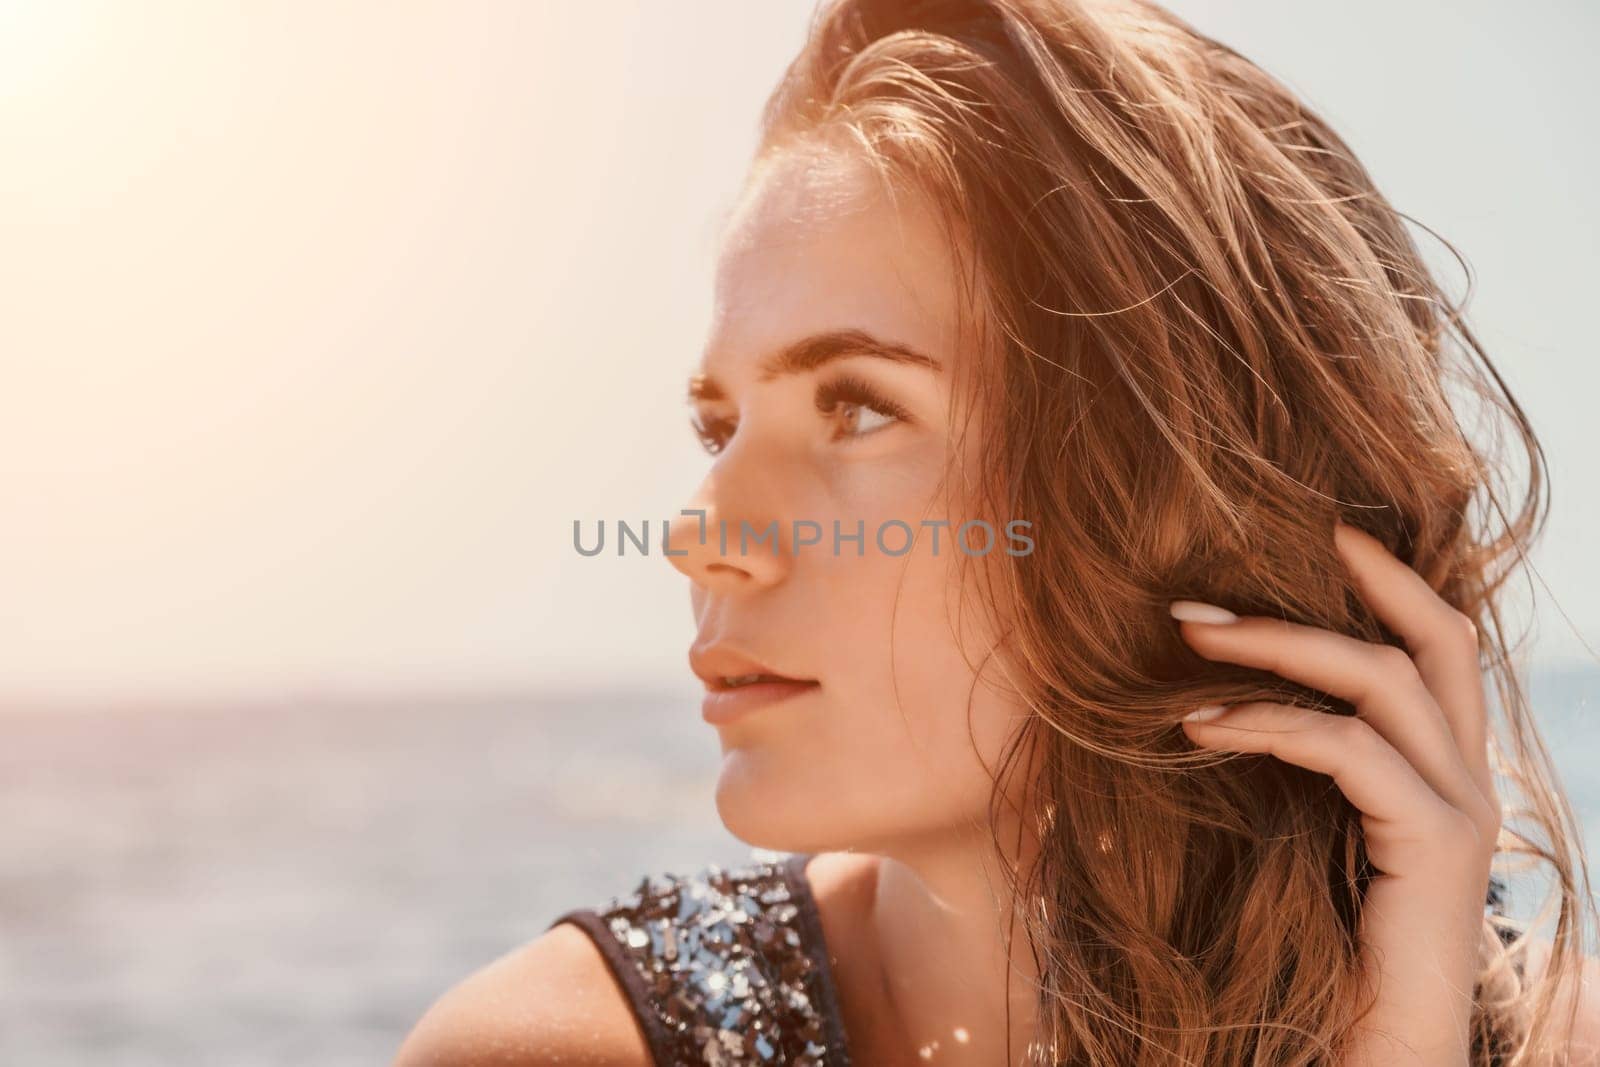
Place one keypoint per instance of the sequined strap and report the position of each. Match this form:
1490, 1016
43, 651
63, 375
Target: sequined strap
724, 967
810, 920
628, 977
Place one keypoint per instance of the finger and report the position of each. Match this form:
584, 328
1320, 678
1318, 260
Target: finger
1379, 680
1442, 641
1369, 771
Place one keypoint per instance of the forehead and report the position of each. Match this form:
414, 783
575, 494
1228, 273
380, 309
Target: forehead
815, 244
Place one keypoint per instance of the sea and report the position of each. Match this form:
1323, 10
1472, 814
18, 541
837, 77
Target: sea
294, 881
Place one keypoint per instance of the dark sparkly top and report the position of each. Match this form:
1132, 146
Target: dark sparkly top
724, 966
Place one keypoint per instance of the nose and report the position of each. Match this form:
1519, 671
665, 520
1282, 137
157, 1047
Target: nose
732, 535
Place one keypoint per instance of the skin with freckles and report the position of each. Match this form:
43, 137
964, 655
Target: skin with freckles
880, 751
889, 758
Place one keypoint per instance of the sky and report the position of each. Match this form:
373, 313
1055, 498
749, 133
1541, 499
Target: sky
320, 324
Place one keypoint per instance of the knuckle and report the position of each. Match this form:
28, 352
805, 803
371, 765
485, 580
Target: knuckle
1465, 630
1395, 664
1352, 731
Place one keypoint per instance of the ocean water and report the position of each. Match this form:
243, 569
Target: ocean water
295, 883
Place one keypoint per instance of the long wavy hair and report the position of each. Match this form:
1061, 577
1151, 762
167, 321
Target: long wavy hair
1205, 336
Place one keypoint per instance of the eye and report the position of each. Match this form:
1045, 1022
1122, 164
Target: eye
712, 431
863, 409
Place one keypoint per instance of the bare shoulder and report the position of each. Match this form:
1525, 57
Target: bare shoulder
1579, 999
551, 1001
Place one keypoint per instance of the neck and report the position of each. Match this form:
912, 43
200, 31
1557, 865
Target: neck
942, 915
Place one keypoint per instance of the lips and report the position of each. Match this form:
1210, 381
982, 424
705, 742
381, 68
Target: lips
722, 707
723, 667
740, 681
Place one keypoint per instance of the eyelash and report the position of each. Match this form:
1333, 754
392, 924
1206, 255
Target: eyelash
845, 389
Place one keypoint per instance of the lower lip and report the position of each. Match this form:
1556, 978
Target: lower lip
722, 706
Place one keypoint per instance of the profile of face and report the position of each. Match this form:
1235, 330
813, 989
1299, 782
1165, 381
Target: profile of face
826, 393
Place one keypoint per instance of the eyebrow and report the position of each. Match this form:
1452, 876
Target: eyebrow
811, 352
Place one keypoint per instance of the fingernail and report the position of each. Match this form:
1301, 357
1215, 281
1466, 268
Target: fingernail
1196, 611
1209, 711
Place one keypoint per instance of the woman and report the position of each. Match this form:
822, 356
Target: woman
1193, 763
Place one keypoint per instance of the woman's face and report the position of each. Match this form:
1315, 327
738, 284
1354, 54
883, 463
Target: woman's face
909, 709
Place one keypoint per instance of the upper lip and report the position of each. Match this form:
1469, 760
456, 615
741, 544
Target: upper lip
716, 661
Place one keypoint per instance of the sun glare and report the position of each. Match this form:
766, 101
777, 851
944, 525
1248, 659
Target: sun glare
41, 41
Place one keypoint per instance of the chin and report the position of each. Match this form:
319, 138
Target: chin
767, 799
760, 801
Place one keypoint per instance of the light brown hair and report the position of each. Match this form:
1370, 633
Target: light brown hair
1207, 336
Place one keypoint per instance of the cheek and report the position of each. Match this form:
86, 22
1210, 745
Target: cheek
927, 688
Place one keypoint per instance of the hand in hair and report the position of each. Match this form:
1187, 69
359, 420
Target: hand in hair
1414, 760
